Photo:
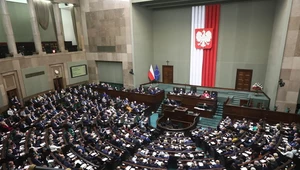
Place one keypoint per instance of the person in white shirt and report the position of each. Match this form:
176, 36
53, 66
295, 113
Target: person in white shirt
289, 153
53, 147
10, 112
134, 159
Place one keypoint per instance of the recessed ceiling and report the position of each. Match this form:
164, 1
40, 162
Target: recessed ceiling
159, 4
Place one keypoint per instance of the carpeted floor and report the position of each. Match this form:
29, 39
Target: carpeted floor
153, 119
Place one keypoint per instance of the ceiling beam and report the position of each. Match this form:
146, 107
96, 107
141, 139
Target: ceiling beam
159, 4
189, 3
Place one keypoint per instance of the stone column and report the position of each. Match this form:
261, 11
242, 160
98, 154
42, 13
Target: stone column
59, 28
287, 96
12, 48
80, 39
35, 28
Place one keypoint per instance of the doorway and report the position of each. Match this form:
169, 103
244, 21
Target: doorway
11, 94
243, 79
167, 74
58, 84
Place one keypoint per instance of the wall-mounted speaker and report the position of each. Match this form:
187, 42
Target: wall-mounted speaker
281, 83
131, 72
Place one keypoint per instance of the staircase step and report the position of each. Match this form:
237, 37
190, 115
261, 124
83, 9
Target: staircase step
206, 126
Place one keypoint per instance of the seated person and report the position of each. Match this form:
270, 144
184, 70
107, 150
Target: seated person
182, 91
214, 94
205, 106
205, 94
175, 90
168, 122
193, 90
4, 127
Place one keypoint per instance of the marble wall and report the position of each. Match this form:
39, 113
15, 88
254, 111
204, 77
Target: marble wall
290, 69
107, 25
280, 26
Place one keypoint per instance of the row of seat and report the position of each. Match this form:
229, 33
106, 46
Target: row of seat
70, 135
79, 128
242, 143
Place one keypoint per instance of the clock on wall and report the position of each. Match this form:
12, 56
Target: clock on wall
56, 72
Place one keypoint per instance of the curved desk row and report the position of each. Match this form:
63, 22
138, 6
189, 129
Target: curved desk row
153, 101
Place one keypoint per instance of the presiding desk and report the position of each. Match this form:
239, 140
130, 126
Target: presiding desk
192, 101
153, 101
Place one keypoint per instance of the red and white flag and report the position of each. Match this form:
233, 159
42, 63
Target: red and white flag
151, 74
204, 44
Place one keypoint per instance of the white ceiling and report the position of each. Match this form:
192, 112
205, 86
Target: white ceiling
61, 5
18, 1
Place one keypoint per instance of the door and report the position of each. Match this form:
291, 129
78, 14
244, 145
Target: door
168, 74
243, 79
58, 83
11, 94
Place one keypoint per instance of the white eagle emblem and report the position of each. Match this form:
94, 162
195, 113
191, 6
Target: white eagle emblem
203, 38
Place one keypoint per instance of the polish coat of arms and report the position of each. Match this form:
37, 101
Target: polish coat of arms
203, 38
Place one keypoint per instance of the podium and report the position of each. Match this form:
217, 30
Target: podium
178, 116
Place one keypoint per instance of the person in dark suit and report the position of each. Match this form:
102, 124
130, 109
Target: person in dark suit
29, 120
175, 90
15, 101
10, 156
67, 163
11, 165
35, 160
205, 106
15, 117
250, 142
269, 147
40, 124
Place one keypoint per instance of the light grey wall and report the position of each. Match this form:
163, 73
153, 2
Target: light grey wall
111, 72
49, 33
280, 26
244, 39
36, 84
142, 43
20, 19
171, 41
2, 33
80, 79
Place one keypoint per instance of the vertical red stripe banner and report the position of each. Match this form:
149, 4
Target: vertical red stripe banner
212, 17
